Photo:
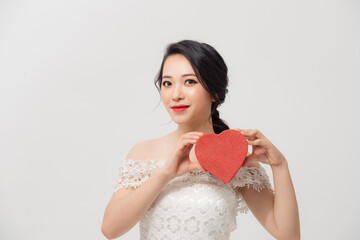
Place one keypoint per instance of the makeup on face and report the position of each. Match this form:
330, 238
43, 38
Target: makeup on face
179, 108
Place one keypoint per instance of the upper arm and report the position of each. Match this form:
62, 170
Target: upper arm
128, 177
261, 204
137, 152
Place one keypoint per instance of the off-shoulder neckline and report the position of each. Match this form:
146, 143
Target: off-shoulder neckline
164, 159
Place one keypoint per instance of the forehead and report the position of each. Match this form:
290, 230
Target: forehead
177, 64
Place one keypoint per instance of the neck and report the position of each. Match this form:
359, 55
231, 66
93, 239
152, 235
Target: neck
205, 127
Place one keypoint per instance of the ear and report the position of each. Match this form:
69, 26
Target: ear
212, 99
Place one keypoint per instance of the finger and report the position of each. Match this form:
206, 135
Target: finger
241, 130
187, 143
244, 131
252, 134
196, 166
193, 136
257, 133
248, 135
195, 133
191, 141
255, 142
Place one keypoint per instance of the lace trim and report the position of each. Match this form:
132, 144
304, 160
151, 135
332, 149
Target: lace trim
256, 177
134, 172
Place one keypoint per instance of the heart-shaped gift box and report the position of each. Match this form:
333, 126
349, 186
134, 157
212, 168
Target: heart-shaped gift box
222, 154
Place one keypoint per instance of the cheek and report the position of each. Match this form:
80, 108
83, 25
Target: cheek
200, 96
195, 94
164, 95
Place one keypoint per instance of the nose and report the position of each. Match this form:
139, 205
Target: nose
178, 92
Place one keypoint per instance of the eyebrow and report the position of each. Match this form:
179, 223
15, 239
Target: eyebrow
184, 75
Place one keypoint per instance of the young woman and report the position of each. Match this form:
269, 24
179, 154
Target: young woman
162, 185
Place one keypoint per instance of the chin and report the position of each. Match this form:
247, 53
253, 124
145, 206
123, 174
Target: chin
180, 120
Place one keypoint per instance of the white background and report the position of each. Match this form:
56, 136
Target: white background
77, 92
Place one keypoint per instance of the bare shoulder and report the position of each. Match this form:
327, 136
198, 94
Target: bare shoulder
141, 150
155, 148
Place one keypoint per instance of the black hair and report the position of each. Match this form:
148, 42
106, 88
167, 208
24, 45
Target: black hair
210, 69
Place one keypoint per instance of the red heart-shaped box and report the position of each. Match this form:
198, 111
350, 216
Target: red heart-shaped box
222, 154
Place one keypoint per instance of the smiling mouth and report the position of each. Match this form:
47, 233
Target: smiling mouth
180, 106
179, 109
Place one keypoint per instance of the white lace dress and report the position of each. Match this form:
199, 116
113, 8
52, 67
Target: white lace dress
196, 205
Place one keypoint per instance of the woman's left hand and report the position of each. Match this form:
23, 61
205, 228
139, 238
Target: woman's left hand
262, 149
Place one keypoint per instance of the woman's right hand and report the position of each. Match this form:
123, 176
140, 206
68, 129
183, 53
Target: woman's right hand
179, 162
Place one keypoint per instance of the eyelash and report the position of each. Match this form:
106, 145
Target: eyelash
185, 81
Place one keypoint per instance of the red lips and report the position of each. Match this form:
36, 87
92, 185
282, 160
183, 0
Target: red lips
180, 106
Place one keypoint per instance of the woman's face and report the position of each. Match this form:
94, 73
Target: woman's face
180, 86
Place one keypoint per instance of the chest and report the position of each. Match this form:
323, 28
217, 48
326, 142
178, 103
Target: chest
194, 208
164, 149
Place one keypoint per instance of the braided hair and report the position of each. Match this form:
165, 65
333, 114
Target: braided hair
210, 69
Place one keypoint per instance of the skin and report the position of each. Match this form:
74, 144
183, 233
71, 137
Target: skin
177, 89
276, 212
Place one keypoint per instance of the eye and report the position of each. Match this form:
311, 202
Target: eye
191, 80
164, 83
